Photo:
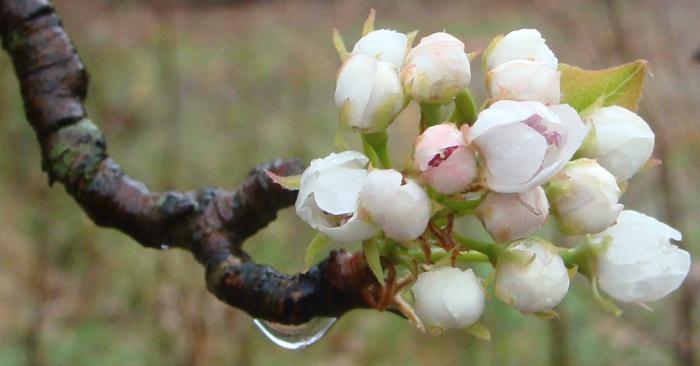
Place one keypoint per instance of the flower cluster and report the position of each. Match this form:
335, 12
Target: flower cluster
531, 152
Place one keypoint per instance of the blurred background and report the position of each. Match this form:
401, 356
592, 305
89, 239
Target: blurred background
194, 93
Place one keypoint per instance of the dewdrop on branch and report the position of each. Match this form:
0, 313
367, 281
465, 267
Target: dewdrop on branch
328, 197
448, 298
397, 204
436, 70
511, 216
584, 198
368, 93
444, 159
619, 139
531, 276
637, 262
523, 144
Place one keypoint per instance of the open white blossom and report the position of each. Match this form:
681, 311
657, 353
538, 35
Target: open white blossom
584, 198
531, 277
329, 196
521, 44
448, 298
368, 93
620, 140
511, 216
385, 45
524, 80
444, 159
523, 144
436, 70
397, 204
640, 263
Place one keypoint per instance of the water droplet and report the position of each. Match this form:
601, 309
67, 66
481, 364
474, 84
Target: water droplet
164, 246
295, 336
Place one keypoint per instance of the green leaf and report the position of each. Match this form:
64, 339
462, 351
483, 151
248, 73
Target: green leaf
291, 182
372, 256
479, 331
585, 89
317, 245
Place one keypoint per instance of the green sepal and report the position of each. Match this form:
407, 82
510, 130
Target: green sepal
586, 90
479, 331
369, 23
484, 56
410, 38
371, 251
316, 246
339, 44
547, 314
290, 182
604, 303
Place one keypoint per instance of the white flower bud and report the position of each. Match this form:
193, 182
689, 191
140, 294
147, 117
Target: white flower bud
444, 159
531, 277
524, 80
385, 45
584, 198
620, 140
436, 70
511, 216
328, 197
523, 144
522, 44
397, 204
448, 298
640, 263
368, 93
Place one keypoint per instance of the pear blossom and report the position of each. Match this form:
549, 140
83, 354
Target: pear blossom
397, 204
585, 198
511, 216
531, 276
524, 80
384, 44
523, 144
328, 198
620, 140
640, 263
444, 159
521, 44
368, 93
436, 70
448, 298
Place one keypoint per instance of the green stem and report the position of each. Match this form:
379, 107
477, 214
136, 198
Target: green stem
490, 249
465, 107
429, 115
375, 146
437, 254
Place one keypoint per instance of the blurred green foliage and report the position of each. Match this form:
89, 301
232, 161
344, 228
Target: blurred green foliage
195, 97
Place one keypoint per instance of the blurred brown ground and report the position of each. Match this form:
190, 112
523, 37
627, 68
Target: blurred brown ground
192, 96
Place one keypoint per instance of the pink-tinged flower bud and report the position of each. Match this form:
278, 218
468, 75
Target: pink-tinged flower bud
368, 93
511, 216
523, 144
584, 198
531, 276
397, 204
448, 298
521, 44
620, 140
524, 80
436, 70
328, 197
640, 264
385, 45
444, 159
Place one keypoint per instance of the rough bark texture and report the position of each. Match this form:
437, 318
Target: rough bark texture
211, 223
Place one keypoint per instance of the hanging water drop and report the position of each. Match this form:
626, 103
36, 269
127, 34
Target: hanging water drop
295, 336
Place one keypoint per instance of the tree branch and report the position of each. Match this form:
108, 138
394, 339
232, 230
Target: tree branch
211, 223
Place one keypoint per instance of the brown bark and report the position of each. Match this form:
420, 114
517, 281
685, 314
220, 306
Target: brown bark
211, 223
